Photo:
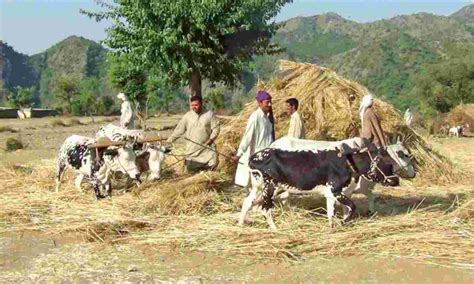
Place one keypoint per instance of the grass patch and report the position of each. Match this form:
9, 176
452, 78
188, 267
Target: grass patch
13, 144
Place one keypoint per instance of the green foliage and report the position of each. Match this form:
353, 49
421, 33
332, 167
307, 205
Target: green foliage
309, 45
183, 41
66, 89
20, 97
128, 78
441, 86
215, 99
13, 144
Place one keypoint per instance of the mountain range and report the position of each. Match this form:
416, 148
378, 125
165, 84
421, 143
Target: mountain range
383, 55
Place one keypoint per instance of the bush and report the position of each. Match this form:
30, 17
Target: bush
13, 144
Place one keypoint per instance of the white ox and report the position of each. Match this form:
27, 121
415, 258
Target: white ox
404, 167
150, 156
75, 154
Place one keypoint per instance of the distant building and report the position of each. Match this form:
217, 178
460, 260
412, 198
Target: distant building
8, 112
26, 112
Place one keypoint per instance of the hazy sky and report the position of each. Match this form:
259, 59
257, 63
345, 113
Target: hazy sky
33, 26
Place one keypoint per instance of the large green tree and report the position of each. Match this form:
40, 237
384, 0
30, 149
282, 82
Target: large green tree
184, 41
20, 97
66, 89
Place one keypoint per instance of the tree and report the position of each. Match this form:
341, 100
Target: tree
20, 97
184, 41
441, 86
66, 89
215, 98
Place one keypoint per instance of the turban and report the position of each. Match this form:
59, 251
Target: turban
263, 95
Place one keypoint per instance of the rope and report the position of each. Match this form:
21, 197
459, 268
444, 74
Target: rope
210, 148
374, 164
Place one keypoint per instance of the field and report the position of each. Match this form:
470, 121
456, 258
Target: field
183, 228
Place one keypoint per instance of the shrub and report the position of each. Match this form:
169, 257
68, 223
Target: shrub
13, 144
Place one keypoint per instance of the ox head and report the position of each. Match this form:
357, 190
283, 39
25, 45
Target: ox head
156, 158
401, 159
124, 158
381, 169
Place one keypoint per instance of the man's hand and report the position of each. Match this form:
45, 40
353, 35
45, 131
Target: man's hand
235, 158
208, 142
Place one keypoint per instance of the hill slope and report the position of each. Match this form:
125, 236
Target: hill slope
383, 55
75, 56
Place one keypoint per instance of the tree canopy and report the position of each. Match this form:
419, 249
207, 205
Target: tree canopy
184, 41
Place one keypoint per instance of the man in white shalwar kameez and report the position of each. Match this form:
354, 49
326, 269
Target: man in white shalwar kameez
408, 117
296, 128
259, 134
126, 117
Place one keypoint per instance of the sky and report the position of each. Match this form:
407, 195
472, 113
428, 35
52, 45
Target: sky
31, 27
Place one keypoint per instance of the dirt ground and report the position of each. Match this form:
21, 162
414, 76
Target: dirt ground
30, 256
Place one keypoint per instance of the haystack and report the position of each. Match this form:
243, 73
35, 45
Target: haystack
461, 115
329, 105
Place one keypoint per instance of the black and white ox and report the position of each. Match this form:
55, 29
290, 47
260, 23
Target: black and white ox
399, 154
456, 131
272, 170
150, 155
75, 154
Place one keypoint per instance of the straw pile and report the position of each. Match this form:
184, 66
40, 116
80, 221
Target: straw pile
461, 115
329, 106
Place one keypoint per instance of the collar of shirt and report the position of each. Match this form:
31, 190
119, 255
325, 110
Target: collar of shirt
295, 114
203, 111
261, 113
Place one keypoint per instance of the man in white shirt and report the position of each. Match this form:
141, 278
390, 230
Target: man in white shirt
296, 128
126, 117
258, 136
408, 117
201, 127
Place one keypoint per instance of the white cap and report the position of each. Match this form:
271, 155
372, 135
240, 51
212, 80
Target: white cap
367, 100
122, 96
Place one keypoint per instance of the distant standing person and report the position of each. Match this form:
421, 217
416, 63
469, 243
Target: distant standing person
371, 128
258, 135
408, 117
296, 128
126, 117
201, 128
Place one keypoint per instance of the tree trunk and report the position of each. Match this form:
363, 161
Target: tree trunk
195, 84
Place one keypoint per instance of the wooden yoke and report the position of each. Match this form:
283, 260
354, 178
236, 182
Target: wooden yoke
103, 142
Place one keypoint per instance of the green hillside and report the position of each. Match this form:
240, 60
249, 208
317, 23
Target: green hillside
383, 55
78, 58
75, 56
